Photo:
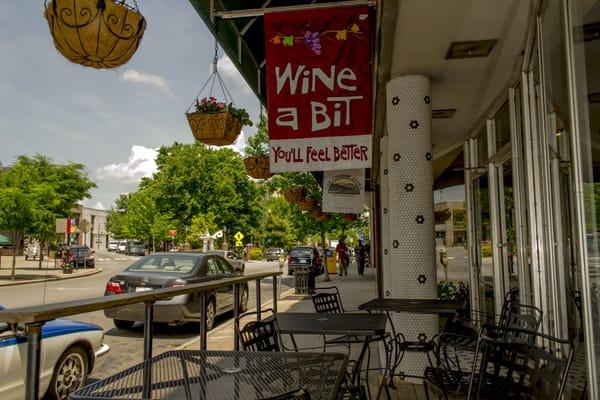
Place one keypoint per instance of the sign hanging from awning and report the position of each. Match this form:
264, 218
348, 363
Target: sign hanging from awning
344, 191
319, 89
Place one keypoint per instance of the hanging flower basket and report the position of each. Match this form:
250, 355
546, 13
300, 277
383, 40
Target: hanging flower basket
309, 205
220, 129
258, 167
216, 123
295, 194
350, 217
95, 33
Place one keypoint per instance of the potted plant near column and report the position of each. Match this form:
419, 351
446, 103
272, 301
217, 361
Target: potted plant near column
257, 152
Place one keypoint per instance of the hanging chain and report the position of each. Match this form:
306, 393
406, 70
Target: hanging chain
136, 5
216, 58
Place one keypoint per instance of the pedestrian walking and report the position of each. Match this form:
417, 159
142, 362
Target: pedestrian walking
314, 270
343, 256
360, 255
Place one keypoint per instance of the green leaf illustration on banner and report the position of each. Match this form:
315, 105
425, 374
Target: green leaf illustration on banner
288, 40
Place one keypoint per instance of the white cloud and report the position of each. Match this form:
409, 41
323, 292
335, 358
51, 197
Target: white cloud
230, 74
131, 75
99, 206
238, 146
141, 163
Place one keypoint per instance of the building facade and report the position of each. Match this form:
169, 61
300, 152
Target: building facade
93, 231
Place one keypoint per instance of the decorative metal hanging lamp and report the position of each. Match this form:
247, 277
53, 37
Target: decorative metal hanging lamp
95, 33
213, 122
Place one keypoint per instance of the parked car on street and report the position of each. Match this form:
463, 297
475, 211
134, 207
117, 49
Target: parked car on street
273, 253
69, 351
122, 246
32, 251
113, 245
81, 256
135, 247
236, 261
300, 257
162, 270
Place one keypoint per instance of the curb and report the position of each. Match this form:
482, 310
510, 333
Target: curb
228, 324
53, 278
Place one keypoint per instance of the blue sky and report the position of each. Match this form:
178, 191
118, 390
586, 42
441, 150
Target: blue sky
109, 120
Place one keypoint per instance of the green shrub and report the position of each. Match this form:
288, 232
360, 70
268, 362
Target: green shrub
256, 254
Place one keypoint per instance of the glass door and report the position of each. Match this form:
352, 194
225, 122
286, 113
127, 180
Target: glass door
483, 231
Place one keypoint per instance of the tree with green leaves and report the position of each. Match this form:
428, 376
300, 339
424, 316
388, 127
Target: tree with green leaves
16, 217
51, 189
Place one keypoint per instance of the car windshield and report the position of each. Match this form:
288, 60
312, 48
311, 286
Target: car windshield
164, 263
301, 252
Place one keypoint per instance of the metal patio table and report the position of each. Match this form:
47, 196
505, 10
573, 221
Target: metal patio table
222, 375
345, 324
416, 306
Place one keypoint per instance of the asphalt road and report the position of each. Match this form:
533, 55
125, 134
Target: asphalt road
126, 345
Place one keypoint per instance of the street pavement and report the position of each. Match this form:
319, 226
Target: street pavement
126, 345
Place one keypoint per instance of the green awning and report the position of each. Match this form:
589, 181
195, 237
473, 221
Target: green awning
4, 240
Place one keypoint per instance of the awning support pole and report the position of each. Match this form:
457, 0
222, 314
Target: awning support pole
259, 12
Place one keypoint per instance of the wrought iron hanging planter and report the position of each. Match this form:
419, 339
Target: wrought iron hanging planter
214, 122
258, 167
95, 33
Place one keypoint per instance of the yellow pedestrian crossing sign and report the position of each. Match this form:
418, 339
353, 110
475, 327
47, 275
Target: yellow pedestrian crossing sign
238, 243
238, 236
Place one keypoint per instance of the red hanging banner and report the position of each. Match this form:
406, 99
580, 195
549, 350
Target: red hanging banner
319, 89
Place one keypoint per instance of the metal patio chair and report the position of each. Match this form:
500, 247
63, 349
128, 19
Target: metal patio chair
299, 394
259, 335
457, 356
518, 370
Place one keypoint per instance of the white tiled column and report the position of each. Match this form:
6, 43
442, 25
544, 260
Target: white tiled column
409, 244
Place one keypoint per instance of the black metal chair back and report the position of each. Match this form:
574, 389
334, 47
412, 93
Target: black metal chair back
260, 335
523, 320
328, 300
522, 370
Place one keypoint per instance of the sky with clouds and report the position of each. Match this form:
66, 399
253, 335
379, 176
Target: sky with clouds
110, 120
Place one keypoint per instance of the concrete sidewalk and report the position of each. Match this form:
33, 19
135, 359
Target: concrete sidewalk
29, 272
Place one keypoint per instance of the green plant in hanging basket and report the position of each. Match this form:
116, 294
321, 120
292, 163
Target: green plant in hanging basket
217, 123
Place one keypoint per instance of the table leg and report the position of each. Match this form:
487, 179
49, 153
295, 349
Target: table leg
391, 323
294, 343
356, 372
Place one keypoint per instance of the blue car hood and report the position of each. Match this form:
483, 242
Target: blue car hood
57, 327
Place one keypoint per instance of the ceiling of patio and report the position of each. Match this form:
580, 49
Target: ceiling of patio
424, 31
414, 42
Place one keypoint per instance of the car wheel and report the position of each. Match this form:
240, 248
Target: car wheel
211, 313
244, 301
122, 324
70, 373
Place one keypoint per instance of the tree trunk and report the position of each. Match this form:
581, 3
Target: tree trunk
41, 255
326, 277
14, 260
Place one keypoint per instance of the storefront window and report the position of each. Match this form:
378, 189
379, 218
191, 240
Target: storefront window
502, 127
585, 30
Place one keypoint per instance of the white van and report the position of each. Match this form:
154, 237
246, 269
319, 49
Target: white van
113, 245
122, 246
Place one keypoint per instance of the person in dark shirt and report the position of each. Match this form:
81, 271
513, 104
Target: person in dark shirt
360, 255
342, 252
